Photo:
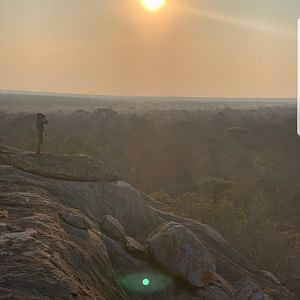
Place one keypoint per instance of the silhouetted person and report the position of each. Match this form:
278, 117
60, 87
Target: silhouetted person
41, 121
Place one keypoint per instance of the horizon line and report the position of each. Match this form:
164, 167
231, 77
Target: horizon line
3, 91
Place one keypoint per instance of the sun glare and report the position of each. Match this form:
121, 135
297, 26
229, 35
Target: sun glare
153, 5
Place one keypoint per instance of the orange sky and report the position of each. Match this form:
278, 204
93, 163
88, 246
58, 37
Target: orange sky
217, 48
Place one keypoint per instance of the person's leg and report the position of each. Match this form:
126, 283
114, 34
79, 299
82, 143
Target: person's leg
40, 142
38, 150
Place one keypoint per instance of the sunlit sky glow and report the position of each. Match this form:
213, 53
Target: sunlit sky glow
153, 5
214, 48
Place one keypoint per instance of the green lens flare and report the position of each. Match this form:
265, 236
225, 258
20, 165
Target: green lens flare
146, 282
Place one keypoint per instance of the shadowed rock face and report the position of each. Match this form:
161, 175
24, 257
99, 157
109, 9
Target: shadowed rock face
52, 245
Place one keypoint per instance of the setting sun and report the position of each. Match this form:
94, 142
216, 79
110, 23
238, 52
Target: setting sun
153, 5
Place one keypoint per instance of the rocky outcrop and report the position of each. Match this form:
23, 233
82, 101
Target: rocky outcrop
68, 167
53, 244
182, 253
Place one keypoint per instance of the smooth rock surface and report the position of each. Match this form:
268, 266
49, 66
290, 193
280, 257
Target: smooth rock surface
67, 167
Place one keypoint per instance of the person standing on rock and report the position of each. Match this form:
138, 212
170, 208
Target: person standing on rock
41, 121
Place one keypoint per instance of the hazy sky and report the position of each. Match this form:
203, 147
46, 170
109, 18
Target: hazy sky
221, 48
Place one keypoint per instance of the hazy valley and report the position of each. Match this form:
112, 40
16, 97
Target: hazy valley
230, 164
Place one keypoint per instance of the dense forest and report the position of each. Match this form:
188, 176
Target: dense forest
234, 169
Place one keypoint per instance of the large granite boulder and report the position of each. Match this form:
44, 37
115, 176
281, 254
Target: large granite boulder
113, 228
182, 253
66, 167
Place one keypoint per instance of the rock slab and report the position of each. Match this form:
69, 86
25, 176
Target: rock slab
66, 167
